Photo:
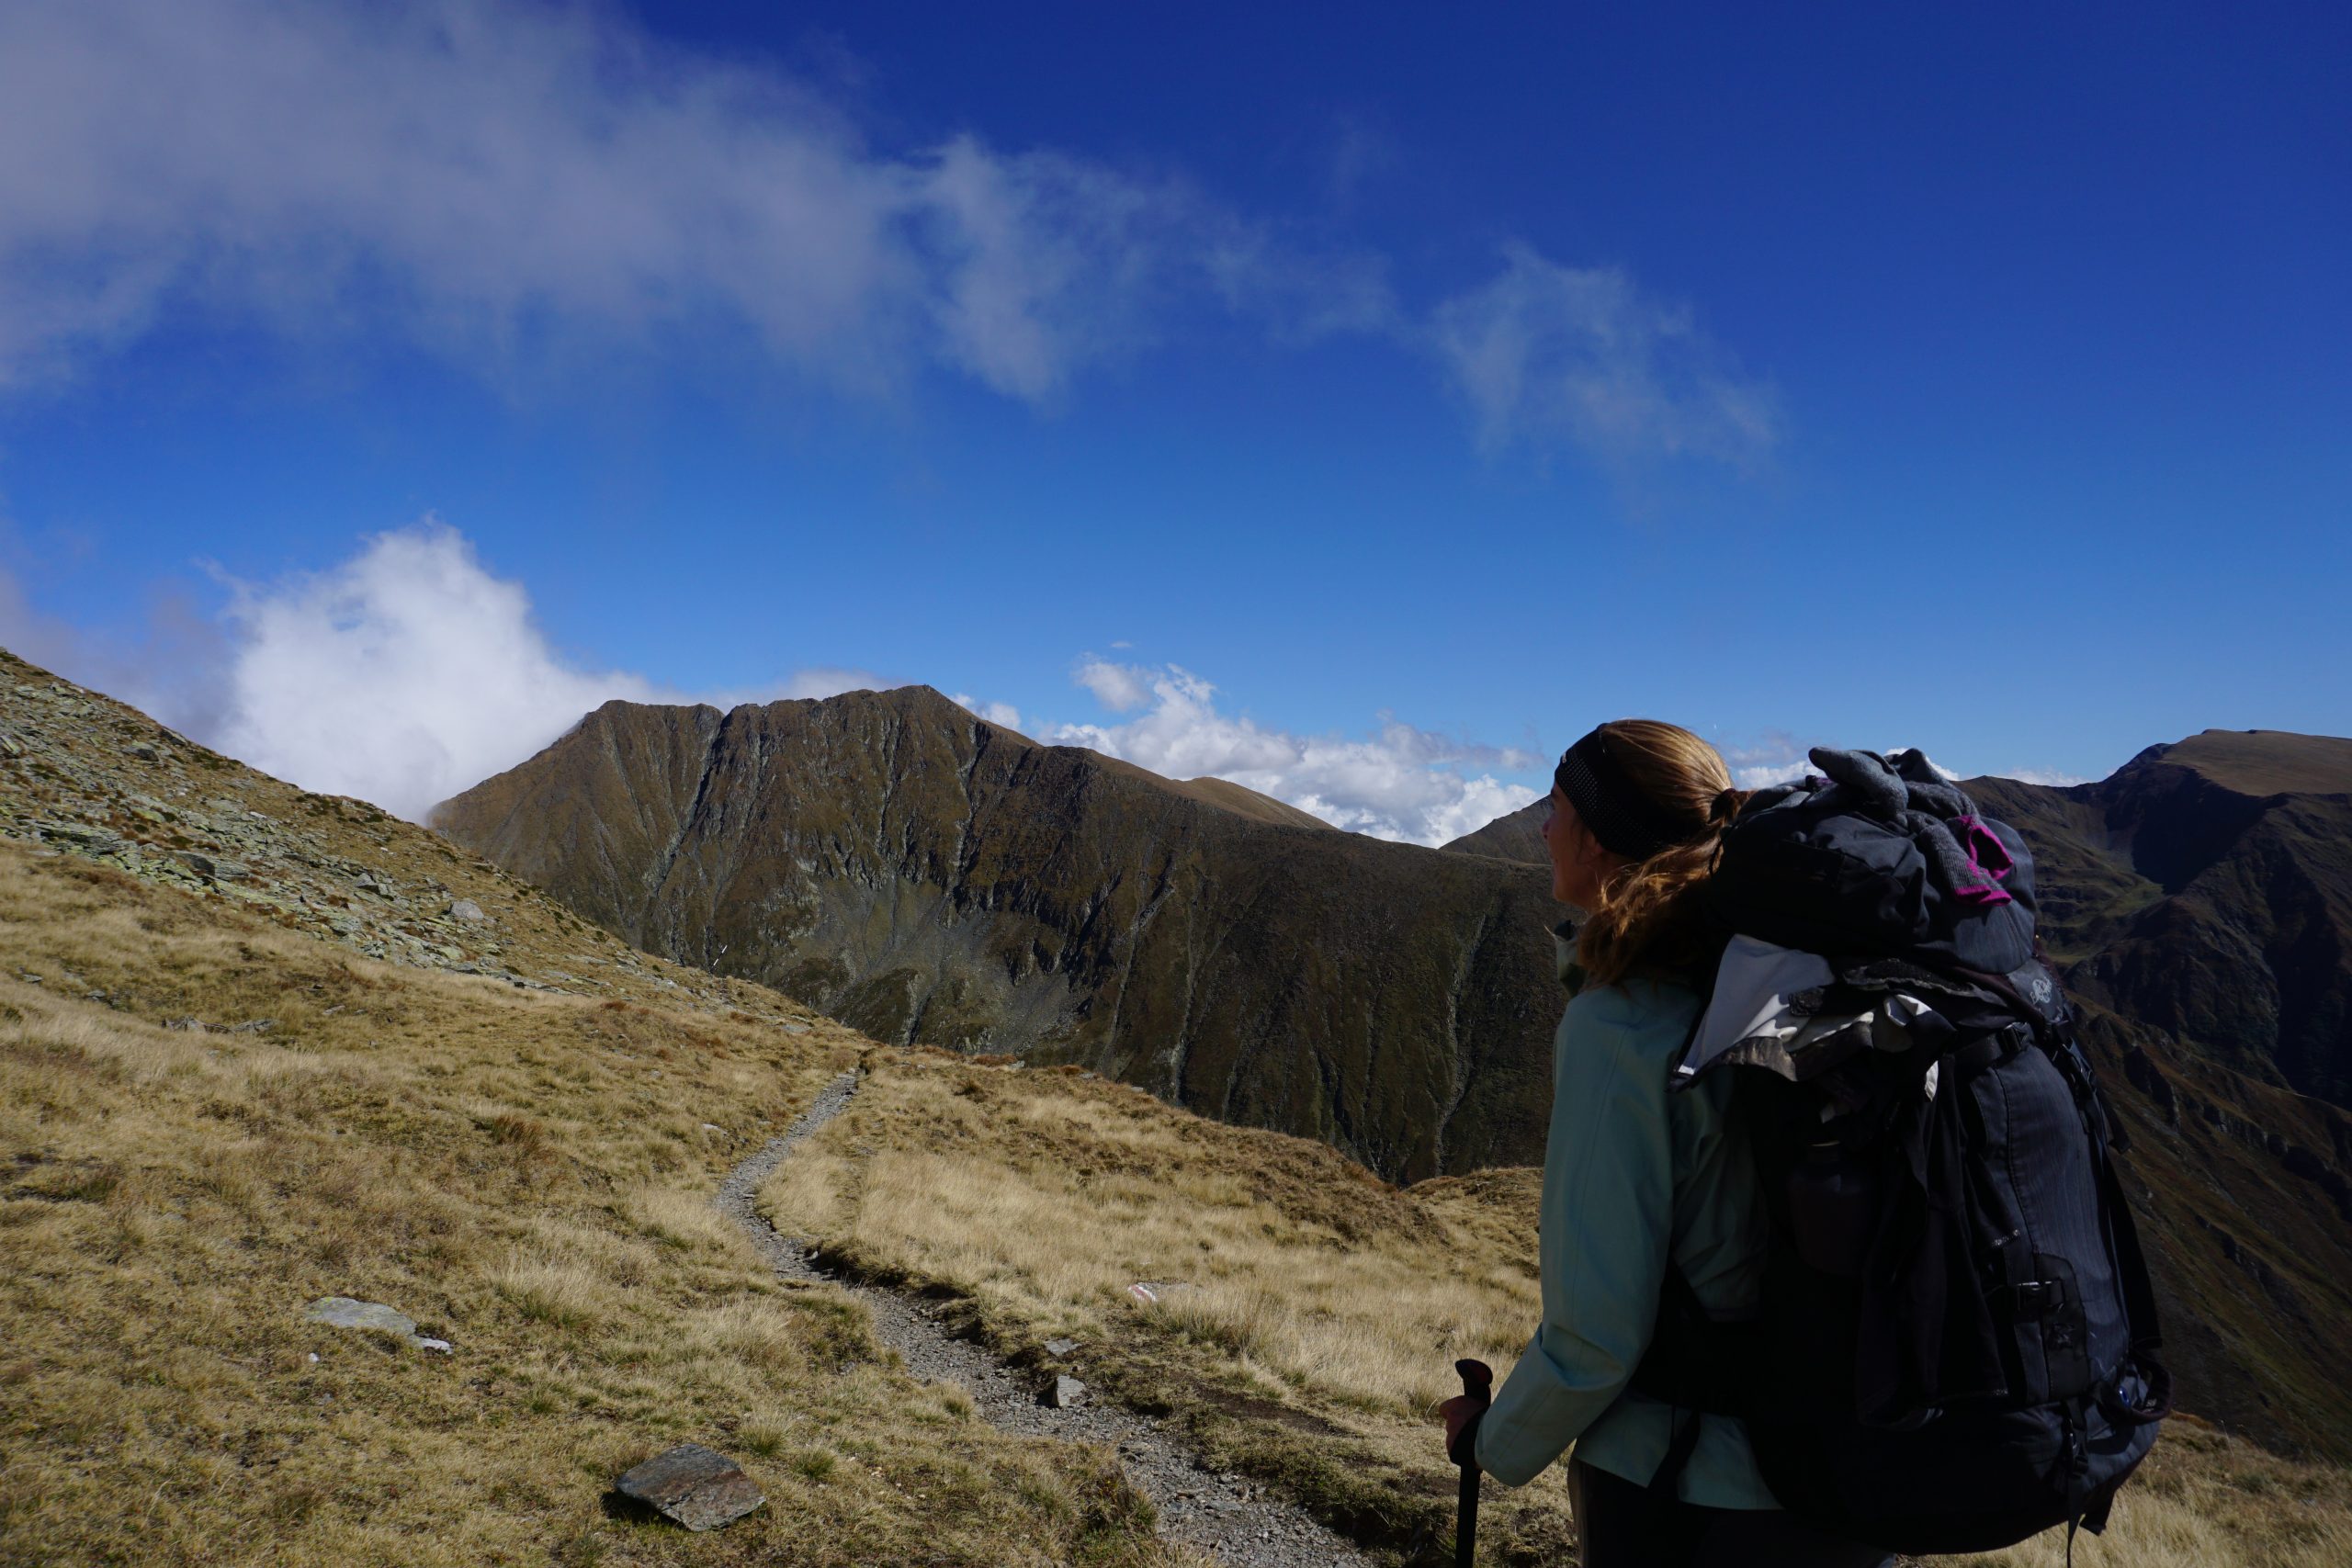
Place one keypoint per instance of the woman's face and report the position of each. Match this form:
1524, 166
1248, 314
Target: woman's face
1575, 854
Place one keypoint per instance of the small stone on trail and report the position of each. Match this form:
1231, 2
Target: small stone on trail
1068, 1393
1061, 1347
467, 911
699, 1487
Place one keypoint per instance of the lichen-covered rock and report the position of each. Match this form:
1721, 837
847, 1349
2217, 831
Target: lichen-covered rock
700, 1488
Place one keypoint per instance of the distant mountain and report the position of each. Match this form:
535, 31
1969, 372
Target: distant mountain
1518, 836
930, 877
2207, 891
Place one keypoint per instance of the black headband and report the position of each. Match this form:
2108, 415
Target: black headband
1624, 820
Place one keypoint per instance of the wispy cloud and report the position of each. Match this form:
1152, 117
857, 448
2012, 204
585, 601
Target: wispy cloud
171, 666
1547, 355
1774, 757
506, 183
485, 177
2052, 778
1396, 783
1122, 688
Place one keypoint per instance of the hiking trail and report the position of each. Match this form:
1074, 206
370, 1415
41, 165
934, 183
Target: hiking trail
1230, 1520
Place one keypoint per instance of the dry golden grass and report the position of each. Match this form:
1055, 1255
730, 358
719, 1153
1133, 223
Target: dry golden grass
2207, 1500
528, 1175
1318, 1312
1325, 1309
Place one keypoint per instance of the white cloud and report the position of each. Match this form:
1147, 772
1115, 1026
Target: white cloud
409, 673
1122, 688
1398, 783
1004, 716
2049, 777
1775, 758
513, 184
1547, 353
494, 177
1763, 773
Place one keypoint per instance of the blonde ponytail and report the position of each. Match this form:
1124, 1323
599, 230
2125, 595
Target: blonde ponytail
1650, 920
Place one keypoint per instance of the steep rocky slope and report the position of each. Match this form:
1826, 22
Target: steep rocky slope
2210, 896
928, 877
83, 773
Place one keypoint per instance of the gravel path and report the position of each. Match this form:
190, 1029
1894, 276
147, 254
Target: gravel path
1230, 1520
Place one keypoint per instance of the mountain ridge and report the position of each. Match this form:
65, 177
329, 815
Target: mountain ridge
932, 877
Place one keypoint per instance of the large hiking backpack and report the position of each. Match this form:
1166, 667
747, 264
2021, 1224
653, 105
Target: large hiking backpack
1957, 1342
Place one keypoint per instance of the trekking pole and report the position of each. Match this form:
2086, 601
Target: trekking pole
1478, 1384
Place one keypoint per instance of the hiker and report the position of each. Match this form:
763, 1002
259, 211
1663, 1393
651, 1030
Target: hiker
1636, 1177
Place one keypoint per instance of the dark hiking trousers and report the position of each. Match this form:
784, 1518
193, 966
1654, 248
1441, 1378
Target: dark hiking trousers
1620, 1525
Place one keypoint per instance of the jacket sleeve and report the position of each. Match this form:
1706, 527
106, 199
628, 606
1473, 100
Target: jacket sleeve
1606, 1216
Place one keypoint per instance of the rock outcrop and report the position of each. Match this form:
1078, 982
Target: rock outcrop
83, 774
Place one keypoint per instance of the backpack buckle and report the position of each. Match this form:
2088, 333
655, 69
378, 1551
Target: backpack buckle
2032, 1300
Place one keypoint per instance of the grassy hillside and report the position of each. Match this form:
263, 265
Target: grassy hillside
1317, 1313
526, 1176
217, 1107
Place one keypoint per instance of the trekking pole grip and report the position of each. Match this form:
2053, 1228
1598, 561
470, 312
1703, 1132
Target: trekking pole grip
1478, 1384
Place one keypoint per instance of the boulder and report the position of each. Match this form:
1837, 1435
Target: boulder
1068, 1393
466, 910
700, 1488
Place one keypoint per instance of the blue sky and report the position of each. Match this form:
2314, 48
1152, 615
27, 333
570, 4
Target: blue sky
1361, 407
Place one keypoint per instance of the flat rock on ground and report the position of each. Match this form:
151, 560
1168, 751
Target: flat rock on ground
345, 1311
699, 1487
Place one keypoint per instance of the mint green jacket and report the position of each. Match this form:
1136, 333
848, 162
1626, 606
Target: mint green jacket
1630, 1171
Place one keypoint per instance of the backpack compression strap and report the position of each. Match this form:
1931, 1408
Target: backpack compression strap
1695, 1366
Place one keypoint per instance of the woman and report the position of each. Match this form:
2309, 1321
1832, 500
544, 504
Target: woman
1632, 1176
